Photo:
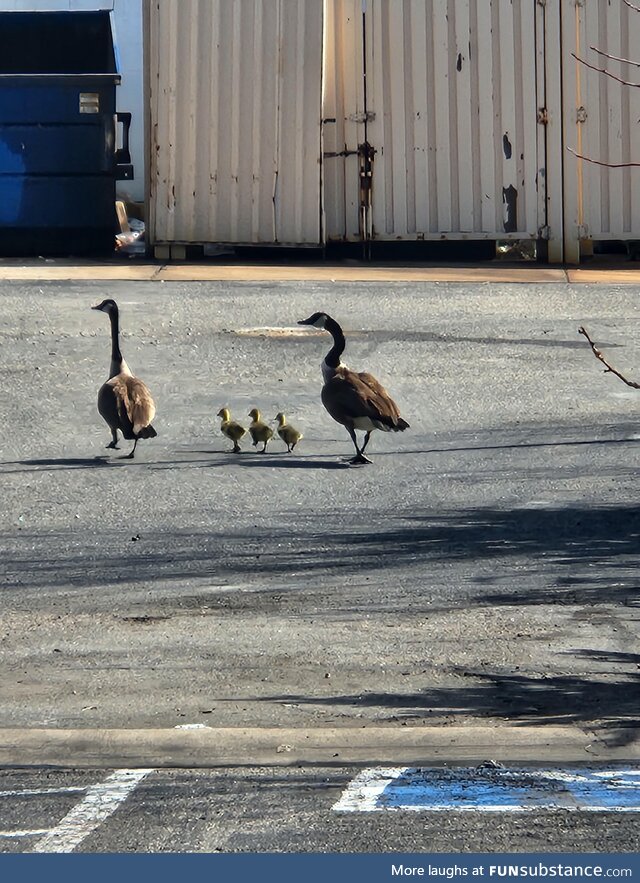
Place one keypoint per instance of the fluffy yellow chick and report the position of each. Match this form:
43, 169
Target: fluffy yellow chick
231, 429
288, 433
260, 431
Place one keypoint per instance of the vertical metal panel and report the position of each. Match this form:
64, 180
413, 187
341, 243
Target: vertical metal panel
601, 202
550, 147
234, 97
453, 87
343, 105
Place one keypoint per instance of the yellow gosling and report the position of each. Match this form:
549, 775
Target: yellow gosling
231, 429
288, 433
260, 431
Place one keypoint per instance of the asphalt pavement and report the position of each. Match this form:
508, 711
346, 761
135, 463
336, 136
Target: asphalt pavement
481, 572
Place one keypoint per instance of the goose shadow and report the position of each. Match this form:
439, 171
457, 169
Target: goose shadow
286, 461
59, 463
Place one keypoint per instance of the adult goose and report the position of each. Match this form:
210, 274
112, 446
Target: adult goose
124, 401
357, 400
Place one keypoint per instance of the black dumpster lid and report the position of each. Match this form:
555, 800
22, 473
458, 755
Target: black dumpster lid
56, 43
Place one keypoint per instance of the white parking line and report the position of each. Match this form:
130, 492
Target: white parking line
33, 792
100, 801
363, 792
34, 833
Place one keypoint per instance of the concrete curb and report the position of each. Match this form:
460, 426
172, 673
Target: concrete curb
61, 272
210, 747
278, 273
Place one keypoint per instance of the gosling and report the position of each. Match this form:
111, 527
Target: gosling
289, 434
260, 431
231, 429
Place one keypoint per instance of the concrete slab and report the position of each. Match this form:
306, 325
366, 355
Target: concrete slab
274, 746
276, 273
604, 276
360, 273
66, 273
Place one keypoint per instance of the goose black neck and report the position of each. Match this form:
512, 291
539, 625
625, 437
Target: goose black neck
114, 318
333, 356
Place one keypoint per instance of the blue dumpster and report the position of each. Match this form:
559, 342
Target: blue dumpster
58, 124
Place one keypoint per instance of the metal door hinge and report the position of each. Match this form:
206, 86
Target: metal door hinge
581, 114
583, 231
543, 116
544, 232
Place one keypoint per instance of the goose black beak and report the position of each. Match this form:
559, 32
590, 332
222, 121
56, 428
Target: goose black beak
96, 307
305, 321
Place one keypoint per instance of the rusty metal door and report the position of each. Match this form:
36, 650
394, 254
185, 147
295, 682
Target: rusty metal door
434, 120
346, 153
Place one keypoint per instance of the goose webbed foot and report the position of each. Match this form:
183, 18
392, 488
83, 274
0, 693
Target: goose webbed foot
113, 445
359, 457
236, 449
131, 455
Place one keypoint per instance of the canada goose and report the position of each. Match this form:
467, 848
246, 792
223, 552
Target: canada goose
289, 435
354, 399
231, 429
124, 401
260, 431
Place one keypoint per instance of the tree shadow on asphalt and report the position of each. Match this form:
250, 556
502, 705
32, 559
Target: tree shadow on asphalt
515, 699
585, 555
579, 556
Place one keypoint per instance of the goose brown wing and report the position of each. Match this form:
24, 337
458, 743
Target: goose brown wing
351, 395
136, 407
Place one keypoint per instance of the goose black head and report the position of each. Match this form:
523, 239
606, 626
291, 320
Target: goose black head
107, 306
318, 320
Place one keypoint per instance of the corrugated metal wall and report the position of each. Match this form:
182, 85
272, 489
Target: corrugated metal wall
453, 87
234, 91
343, 104
602, 121
259, 109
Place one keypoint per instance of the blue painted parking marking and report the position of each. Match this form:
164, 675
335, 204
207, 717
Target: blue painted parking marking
492, 788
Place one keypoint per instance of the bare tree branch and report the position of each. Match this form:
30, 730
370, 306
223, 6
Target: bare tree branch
607, 366
631, 6
602, 70
599, 162
616, 57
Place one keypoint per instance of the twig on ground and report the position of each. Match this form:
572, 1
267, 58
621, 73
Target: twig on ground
598, 355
